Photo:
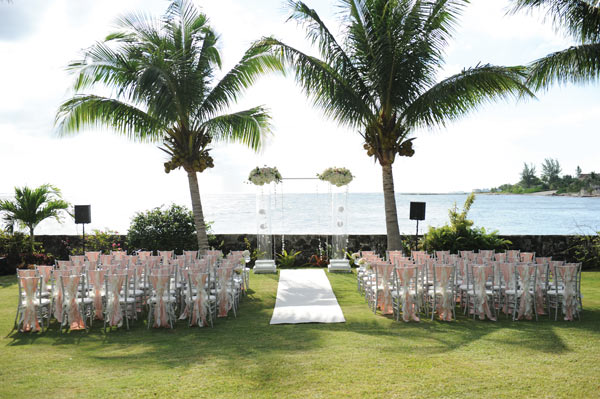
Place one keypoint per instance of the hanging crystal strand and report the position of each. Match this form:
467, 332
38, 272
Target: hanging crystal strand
330, 255
274, 210
282, 222
318, 202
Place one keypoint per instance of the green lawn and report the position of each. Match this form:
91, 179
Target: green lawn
369, 356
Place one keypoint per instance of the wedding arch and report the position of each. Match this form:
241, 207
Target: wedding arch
266, 179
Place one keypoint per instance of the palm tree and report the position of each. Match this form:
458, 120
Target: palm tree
576, 64
162, 72
31, 206
381, 79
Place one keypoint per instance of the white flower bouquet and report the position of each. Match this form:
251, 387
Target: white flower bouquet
337, 176
265, 175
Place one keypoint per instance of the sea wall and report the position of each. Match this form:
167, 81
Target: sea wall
557, 246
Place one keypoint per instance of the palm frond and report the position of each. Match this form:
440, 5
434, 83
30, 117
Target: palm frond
333, 93
257, 61
580, 18
577, 64
330, 50
248, 127
456, 96
94, 111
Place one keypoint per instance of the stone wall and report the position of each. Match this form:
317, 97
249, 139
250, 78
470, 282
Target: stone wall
556, 246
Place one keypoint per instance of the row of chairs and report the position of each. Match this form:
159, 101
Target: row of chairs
480, 284
79, 291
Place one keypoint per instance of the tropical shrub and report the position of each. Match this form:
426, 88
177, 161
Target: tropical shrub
17, 253
104, 241
287, 260
461, 235
586, 249
254, 252
163, 229
318, 260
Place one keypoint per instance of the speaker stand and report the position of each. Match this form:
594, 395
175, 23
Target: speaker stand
417, 236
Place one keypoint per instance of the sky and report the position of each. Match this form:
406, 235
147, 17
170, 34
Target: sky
38, 38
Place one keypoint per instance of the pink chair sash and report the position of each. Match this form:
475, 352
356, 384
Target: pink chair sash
568, 276
200, 301
97, 280
58, 294
446, 304
508, 275
93, 257
70, 304
160, 283
225, 304
114, 283
30, 319
526, 276
64, 263
407, 277
46, 274
480, 275
384, 294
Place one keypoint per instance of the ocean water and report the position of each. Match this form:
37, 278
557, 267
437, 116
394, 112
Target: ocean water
311, 213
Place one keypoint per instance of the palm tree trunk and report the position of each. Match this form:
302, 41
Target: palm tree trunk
31, 238
394, 243
197, 210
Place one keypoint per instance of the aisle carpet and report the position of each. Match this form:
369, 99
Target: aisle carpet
305, 296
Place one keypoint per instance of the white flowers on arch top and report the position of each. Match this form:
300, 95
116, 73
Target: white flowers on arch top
265, 175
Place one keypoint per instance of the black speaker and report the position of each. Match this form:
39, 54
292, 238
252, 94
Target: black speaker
417, 211
83, 214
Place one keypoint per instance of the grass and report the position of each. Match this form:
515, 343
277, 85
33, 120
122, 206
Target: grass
368, 356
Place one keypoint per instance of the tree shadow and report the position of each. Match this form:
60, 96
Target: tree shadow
249, 337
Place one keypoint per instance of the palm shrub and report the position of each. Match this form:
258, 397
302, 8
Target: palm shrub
461, 235
381, 78
287, 260
31, 206
161, 72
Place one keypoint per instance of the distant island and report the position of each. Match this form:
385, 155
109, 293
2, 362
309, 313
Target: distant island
551, 182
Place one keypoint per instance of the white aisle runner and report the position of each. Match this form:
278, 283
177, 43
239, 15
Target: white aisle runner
305, 296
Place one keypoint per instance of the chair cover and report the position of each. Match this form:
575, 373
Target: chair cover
443, 287
481, 273
225, 303
568, 276
200, 302
96, 277
93, 256
114, 285
384, 295
407, 281
30, 319
58, 294
45, 273
160, 283
510, 283
526, 274
70, 285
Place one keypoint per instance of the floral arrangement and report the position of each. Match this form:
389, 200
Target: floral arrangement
265, 175
337, 176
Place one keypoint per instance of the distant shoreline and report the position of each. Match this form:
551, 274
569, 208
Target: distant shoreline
550, 193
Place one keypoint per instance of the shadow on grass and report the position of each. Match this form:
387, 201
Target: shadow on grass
250, 337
